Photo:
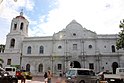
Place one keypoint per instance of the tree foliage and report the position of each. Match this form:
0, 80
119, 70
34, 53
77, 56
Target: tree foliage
1, 60
120, 41
2, 48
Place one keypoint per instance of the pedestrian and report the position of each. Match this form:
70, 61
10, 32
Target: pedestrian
23, 78
58, 80
49, 76
45, 77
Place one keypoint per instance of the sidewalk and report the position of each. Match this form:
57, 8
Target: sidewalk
55, 79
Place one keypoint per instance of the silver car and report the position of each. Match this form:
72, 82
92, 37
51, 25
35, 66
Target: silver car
80, 75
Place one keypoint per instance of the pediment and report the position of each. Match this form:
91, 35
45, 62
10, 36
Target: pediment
75, 30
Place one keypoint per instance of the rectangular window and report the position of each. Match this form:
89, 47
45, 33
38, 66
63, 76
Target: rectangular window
74, 46
85, 72
9, 62
113, 48
59, 66
91, 66
41, 51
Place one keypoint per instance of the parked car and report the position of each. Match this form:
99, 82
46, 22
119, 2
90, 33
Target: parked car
26, 73
5, 77
80, 75
3, 73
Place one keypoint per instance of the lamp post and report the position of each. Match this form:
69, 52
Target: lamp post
20, 60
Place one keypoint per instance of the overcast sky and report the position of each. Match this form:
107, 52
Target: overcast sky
48, 16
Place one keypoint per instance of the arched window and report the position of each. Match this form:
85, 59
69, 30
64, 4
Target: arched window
29, 50
15, 26
21, 27
113, 48
74, 46
28, 67
41, 50
40, 68
12, 43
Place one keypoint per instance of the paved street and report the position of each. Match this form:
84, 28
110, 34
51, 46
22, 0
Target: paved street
40, 79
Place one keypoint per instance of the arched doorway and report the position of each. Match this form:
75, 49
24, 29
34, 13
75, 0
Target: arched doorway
28, 67
75, 64
114, 66
40, 68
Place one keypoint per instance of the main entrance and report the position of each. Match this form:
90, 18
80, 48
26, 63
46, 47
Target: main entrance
114, 66
75, 64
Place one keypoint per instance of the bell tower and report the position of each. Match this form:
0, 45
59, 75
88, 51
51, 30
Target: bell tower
18, 31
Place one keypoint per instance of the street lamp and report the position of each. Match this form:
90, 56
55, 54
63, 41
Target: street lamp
20, 60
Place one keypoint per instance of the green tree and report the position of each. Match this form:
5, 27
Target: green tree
2, 48
1, 60
120, 41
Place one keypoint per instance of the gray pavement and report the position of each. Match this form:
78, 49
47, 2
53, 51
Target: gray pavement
55, 79
40, 79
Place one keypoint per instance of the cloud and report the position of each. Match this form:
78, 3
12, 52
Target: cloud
101, 16
8, 10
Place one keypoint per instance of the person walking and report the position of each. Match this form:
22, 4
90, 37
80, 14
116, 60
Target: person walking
49, 76
23, 79
45, 77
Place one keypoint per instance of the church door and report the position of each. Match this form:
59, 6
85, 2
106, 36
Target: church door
114, 66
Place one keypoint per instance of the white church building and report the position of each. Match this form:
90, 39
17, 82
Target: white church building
74, 46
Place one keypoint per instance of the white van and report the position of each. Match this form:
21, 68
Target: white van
10, 75
11, 70
80, 75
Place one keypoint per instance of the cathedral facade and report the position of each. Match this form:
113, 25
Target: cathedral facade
72, 47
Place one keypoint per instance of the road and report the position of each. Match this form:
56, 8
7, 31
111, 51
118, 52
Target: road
30, 81
40, 79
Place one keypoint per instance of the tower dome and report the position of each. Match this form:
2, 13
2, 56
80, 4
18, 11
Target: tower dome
19, 24
21, 15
